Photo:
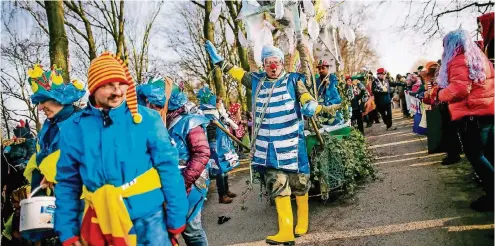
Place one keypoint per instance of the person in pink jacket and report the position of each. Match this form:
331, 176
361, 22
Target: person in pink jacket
466, 83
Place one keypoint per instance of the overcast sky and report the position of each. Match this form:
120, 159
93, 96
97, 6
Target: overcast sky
399, 51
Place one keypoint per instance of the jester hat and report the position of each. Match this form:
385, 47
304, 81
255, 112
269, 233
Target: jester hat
49, 85
154, 92
206, 98
108, 68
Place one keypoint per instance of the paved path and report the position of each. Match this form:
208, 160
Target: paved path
415, 201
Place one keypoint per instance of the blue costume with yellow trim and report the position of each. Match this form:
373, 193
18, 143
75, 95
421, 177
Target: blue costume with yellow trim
178, 132
49, 85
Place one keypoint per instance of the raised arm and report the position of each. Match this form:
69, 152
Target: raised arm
239, 74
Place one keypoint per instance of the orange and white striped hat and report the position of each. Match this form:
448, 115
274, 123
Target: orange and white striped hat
108, 68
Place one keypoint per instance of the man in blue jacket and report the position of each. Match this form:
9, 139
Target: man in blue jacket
118, 156
328, 94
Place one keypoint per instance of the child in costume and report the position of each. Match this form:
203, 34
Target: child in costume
221, 147
188, 133
55, 98
280, 100
118, 156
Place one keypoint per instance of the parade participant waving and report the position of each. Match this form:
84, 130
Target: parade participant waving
280, 100
188, 133
55, 98
120, 156
221, 147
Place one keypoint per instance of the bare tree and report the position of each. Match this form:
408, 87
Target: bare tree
425, 17
357, 55
139, 59
59, 45
18, 55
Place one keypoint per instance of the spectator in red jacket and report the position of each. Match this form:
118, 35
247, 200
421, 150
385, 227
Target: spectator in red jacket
466, 76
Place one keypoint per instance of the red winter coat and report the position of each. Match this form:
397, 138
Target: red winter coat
466, 98
199, 154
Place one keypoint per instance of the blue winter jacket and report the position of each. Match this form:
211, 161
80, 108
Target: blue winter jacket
329, 94
94, 155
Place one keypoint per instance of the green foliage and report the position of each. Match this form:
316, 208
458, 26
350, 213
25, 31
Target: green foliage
343, 162
346, 103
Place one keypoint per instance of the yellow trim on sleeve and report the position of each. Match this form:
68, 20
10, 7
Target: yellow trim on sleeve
30, 167
237, 73
305, 98
318, 109
48, 166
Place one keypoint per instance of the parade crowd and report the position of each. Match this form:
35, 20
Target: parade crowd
133, 167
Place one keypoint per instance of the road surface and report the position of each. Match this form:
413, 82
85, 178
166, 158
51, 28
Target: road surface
414, 201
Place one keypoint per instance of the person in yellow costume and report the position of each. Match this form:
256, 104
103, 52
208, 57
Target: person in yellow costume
55, 99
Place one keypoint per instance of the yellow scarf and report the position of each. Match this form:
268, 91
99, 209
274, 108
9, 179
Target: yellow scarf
111, 213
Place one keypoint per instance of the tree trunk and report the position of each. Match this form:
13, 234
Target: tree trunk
89, 32
59, 45
242, 52
209, 33
120, 43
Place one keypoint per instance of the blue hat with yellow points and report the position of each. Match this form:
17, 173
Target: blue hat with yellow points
49, 85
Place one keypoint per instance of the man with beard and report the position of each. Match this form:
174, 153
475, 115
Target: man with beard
381, 91
280, 100
188, 133
328, 93
120, 156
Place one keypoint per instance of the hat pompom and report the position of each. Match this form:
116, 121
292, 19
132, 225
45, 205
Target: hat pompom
137, 118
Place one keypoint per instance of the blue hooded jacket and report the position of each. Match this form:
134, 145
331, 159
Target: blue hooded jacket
329, 94
93, 155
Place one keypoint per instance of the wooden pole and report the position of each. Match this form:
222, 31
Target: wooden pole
230, 135
315, 127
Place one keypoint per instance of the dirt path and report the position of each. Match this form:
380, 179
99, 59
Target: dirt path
415, 201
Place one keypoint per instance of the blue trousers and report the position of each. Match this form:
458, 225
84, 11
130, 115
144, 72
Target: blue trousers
477, 141
195, 235
151, 230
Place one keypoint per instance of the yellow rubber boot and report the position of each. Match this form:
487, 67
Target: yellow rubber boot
302, 215
285, 233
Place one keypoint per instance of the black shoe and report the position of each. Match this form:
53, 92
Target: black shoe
369, 125
377, 121
483, 204
451, 160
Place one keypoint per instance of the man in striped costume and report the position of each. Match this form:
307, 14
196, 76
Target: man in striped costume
280, 100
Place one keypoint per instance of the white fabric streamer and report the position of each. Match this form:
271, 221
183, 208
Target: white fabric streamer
215, 13
313, 29
308, 7
229, 35
242, 40
279, 9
